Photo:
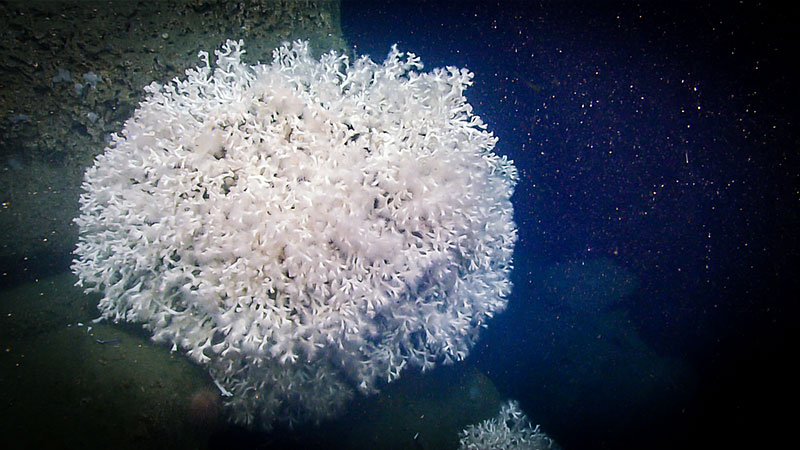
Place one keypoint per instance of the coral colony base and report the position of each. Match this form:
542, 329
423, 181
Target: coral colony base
302, 228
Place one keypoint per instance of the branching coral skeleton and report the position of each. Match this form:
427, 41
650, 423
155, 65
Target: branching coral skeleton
303, 228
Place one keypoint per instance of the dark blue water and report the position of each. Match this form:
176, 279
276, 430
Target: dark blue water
657, 207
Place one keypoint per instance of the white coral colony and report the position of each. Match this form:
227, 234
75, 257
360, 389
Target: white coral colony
302, 227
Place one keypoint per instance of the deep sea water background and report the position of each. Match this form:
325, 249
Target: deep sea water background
658, 215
